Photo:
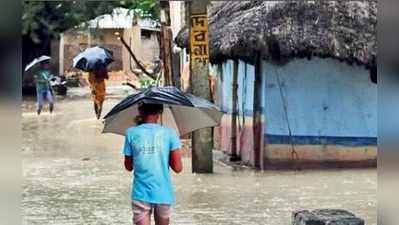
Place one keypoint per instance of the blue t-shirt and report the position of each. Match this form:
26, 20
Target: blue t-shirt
150, 145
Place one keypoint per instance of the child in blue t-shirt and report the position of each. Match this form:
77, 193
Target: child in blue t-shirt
149, 150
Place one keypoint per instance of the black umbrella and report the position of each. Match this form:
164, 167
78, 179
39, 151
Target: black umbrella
183, 112
92, 59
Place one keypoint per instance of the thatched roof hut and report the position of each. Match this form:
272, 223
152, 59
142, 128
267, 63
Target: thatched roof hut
282, 30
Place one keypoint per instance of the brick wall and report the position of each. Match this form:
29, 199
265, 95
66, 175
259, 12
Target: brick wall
75, 42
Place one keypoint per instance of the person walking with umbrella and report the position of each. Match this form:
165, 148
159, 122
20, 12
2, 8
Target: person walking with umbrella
43, 88
150, 150
152, 143
98, 90
95, 61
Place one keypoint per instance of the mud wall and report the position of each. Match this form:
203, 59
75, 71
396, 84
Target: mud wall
245, 108
316, 112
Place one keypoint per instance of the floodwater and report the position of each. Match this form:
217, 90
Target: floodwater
73, 174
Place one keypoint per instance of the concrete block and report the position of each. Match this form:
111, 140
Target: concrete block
325, 217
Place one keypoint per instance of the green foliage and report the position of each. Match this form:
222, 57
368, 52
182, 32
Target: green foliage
49, 18
147, 83
146, 8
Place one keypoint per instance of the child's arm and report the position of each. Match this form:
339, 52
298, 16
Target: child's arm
128, 163
175, 161
128, 153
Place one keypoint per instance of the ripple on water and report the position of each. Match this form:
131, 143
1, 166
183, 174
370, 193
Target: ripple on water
62, 189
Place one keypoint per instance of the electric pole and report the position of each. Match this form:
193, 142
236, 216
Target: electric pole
202, 140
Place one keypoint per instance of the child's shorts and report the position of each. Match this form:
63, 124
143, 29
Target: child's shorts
143, 209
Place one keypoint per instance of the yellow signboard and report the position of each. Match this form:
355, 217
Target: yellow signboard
199, 40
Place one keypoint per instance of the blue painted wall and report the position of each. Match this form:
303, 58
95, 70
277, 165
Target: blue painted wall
323, 98
327, 102
245, 87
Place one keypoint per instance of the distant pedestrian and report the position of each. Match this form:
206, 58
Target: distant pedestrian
43, 88
98, 90
150, 150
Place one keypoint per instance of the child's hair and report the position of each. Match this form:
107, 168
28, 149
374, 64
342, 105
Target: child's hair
45, 63
146, 109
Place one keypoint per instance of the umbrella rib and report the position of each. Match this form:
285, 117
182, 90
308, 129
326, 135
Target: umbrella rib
174, 116
198, 108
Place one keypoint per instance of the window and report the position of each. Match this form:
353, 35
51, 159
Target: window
145, 34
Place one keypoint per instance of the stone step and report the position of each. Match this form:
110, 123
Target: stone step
325, 217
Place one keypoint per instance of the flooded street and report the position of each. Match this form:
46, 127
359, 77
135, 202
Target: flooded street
73, 174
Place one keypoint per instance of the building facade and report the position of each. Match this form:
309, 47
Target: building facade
316, 113
141, 36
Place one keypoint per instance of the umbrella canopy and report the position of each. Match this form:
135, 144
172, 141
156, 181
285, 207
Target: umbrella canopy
92, 59
36, 61
183, 112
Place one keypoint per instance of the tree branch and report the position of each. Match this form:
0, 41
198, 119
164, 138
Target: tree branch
152, 75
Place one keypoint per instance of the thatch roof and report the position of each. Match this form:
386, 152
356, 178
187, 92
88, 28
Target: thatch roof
280, 31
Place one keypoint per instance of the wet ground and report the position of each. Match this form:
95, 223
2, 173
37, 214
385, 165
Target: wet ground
73, 174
